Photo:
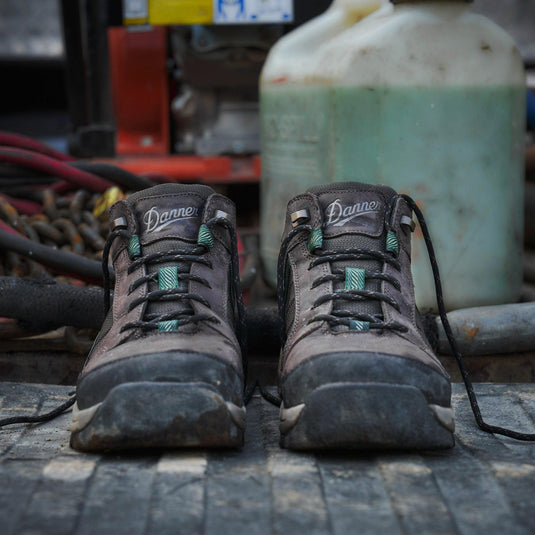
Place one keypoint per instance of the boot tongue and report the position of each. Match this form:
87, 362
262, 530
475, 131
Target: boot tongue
176, 217
354, 218
168, 218
351, 211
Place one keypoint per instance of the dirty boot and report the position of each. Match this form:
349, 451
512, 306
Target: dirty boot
356, 369
166, 368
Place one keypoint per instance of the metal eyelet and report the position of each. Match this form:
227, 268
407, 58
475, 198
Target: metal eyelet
299, 217
407, 221
119, 223
222, 214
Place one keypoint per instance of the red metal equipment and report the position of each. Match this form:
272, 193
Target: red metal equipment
179, 168
140, 90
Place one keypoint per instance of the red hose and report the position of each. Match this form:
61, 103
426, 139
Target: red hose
53, 167
27, 143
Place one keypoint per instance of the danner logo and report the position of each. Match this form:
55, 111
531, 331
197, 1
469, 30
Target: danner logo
338, 215
155, 220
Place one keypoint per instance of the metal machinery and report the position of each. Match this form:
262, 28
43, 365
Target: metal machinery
169, 87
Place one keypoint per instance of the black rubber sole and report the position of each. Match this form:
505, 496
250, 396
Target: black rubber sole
366, 416
165, 367
159, 415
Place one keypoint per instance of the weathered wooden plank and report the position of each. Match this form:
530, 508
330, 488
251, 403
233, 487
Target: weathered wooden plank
517, 479
297, 494
237, 486
17, 400
484, 485
415, 496
119, 497
19, 481
472, 494
177, 502
468, 433
44, 440
356, 497
36, 441
59, 496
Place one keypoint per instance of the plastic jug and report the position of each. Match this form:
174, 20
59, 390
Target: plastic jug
286, 119
429, 98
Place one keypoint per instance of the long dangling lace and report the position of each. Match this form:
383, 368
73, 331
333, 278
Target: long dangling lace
451, 339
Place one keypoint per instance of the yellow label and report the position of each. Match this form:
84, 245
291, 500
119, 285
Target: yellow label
180, 12
106, 201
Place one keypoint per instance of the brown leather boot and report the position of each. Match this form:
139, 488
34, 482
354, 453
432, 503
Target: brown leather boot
356, 369
166, 368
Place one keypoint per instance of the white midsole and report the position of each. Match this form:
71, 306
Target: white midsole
237, 414
82, 418
289, 416
445, 416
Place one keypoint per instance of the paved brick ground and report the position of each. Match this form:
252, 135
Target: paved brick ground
484, 485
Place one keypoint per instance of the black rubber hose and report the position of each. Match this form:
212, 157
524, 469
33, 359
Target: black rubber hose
18, 182
125, 179
23, 190
55, 259
57, 168
48, 304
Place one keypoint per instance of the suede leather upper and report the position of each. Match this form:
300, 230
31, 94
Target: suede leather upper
304, 340
143, 213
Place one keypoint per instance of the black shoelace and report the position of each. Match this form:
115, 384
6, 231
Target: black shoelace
343, 317
340, 317
183, 315
41, 417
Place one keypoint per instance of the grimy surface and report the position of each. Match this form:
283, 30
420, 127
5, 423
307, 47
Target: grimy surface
486, 484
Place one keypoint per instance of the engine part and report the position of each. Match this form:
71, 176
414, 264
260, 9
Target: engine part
217, 69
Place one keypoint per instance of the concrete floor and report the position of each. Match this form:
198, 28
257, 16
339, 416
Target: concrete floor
485, 484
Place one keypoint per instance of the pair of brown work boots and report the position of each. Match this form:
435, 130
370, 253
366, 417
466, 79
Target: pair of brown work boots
356, 370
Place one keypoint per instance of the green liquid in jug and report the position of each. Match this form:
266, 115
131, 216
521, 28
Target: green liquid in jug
456, 150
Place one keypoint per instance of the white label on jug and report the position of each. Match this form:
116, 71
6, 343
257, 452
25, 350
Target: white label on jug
252, 11
135, 9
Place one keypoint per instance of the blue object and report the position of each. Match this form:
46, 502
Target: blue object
530, 109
